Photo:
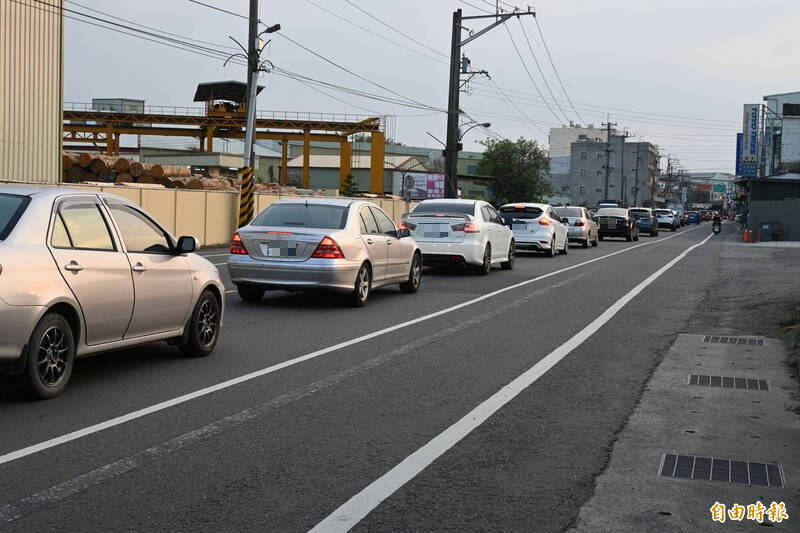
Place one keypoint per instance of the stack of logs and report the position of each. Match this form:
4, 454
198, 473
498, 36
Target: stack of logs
84, 167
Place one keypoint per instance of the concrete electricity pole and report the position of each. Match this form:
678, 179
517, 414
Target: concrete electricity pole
623, 180
453, 144
608, 155
253, 68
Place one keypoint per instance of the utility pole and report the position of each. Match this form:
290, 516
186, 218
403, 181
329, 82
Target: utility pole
453, 144
636, 175
623, 180
253, 68
608, 154
248, 187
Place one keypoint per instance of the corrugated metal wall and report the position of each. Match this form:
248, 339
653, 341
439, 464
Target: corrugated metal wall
31, 74
787, 212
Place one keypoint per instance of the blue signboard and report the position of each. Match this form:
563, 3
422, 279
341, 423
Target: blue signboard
739, 144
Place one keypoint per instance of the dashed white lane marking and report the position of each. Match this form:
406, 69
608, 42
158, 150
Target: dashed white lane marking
356, 508
33, 503
139, 413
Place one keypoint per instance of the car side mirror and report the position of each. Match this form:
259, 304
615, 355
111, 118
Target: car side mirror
187, 244
405, 232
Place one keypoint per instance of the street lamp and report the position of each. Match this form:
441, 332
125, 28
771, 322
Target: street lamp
452, 185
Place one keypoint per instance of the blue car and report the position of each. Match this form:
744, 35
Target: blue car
693, 217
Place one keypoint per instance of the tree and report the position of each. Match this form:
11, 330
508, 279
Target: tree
348, 188
517, 168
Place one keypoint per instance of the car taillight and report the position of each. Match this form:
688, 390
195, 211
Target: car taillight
544, 221
468, 227
328, 249
237, 246
578, 223
406, 225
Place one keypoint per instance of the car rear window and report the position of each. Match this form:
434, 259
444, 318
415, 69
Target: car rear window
608, 212
424, 208
570, 211
662, 212
11, 208
521, 212
303, 215
639, 213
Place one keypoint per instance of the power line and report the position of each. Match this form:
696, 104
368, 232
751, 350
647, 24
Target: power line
378, 35
552, 64
396, 30
220, 9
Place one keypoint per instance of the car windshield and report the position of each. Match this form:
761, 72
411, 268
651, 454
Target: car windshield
608, 212
442, 207
520, 212
569, 212
11, 208
303, 215
639, 213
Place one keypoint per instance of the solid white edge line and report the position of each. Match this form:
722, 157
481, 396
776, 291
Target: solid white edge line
359, 506
139, 413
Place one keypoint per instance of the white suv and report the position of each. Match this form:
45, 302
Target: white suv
461, 232
537, 227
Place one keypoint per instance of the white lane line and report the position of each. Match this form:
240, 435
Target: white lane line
356, 508
120, 467
139, 413
214, 255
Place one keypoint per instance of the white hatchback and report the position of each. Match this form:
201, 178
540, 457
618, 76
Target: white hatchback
461, 232
536, 227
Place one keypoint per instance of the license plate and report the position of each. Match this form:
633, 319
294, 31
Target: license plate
281, 250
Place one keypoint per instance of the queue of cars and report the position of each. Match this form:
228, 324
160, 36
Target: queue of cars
63, 252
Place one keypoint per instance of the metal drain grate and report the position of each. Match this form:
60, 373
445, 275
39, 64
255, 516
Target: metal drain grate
724, 470
722, 339
728, 382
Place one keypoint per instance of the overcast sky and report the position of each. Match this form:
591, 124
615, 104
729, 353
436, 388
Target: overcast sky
675, 73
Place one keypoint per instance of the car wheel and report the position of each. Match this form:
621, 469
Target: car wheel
512, 258
414, 276
49, 357
203, 328
594, 242
486, 266
636, 236
565, 250
654, 234
552, 251
629, 236
250, 294
586, 243
600, 237
362, 287
673, 228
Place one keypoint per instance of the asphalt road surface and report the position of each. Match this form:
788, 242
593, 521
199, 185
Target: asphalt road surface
479, 403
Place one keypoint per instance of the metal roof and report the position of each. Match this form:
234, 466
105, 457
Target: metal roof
233, 91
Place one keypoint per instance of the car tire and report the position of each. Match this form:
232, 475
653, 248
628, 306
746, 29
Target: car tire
594, 242
249, 293
600, 237
565, 251
414, 276
585, 243
486, 266
636, 236
49, 357
629, 236
552, 251
512, 257
654, 234
202, 331
362, 287
673, 228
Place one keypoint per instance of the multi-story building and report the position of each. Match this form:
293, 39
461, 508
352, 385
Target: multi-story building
560, 141
781, 136
615, 170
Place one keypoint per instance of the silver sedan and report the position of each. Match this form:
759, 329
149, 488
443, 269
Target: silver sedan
82, 273
344, 245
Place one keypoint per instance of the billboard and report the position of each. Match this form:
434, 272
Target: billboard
739, 145
750, 130
419, 185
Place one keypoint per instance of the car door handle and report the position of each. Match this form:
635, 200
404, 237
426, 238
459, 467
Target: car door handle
73, 267
138, 267
389, 242
369, 241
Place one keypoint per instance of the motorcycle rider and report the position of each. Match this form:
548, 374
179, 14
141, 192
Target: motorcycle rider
716, 224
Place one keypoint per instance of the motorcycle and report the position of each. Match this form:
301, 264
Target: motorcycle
716, 227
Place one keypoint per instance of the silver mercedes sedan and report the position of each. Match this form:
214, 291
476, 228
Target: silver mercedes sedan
345, 245
82, 273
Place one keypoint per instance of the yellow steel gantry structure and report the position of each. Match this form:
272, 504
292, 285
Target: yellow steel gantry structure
106, 127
